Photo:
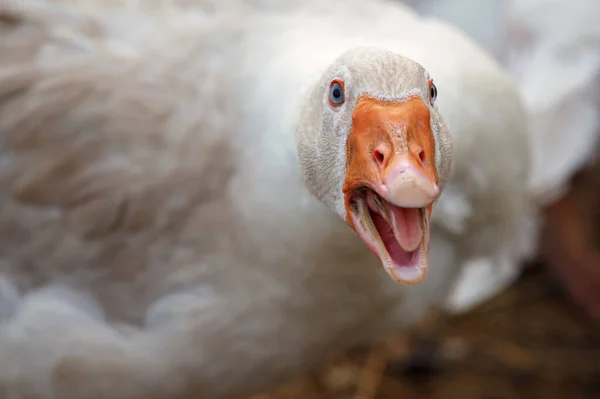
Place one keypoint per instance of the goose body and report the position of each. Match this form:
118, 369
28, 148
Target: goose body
552, 51
163, 232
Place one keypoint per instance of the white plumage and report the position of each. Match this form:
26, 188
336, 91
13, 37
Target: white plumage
157, 238
552, 50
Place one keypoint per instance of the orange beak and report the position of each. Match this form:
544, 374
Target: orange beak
391, 183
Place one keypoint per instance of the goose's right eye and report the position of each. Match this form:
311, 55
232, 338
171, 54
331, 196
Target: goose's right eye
336, 93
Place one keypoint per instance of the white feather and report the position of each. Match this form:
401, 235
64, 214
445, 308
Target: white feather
157, 240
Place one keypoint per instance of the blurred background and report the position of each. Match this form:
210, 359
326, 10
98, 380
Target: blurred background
538, 338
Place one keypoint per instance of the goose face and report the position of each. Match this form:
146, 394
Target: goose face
374, 149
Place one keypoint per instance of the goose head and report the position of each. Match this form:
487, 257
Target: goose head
373, 148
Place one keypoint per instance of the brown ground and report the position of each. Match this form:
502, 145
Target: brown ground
530, 342
571, 244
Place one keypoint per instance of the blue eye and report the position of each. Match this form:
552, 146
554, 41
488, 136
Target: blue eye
433, 92
336, 93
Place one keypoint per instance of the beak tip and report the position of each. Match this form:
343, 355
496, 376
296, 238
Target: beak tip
411, 196
406, 185
408, 276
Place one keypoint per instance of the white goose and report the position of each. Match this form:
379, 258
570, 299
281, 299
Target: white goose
159, 236
552, 50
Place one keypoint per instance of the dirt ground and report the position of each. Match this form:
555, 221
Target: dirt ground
529, 342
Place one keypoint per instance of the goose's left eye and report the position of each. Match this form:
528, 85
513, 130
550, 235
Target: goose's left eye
336, 93
432, 92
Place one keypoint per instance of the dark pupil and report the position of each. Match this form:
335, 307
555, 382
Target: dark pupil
433, 91
337, 93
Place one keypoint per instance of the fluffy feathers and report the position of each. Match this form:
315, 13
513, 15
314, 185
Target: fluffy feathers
157, 240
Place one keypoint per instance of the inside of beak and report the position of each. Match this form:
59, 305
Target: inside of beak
391, 183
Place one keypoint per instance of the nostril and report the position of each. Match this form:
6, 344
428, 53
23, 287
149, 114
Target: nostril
422, 156
379, 157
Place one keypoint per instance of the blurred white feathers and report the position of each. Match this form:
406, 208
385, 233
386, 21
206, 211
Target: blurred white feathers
552, 50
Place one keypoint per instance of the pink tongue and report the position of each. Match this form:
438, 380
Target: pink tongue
407, 227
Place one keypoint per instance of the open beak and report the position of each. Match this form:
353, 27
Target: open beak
391, 183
